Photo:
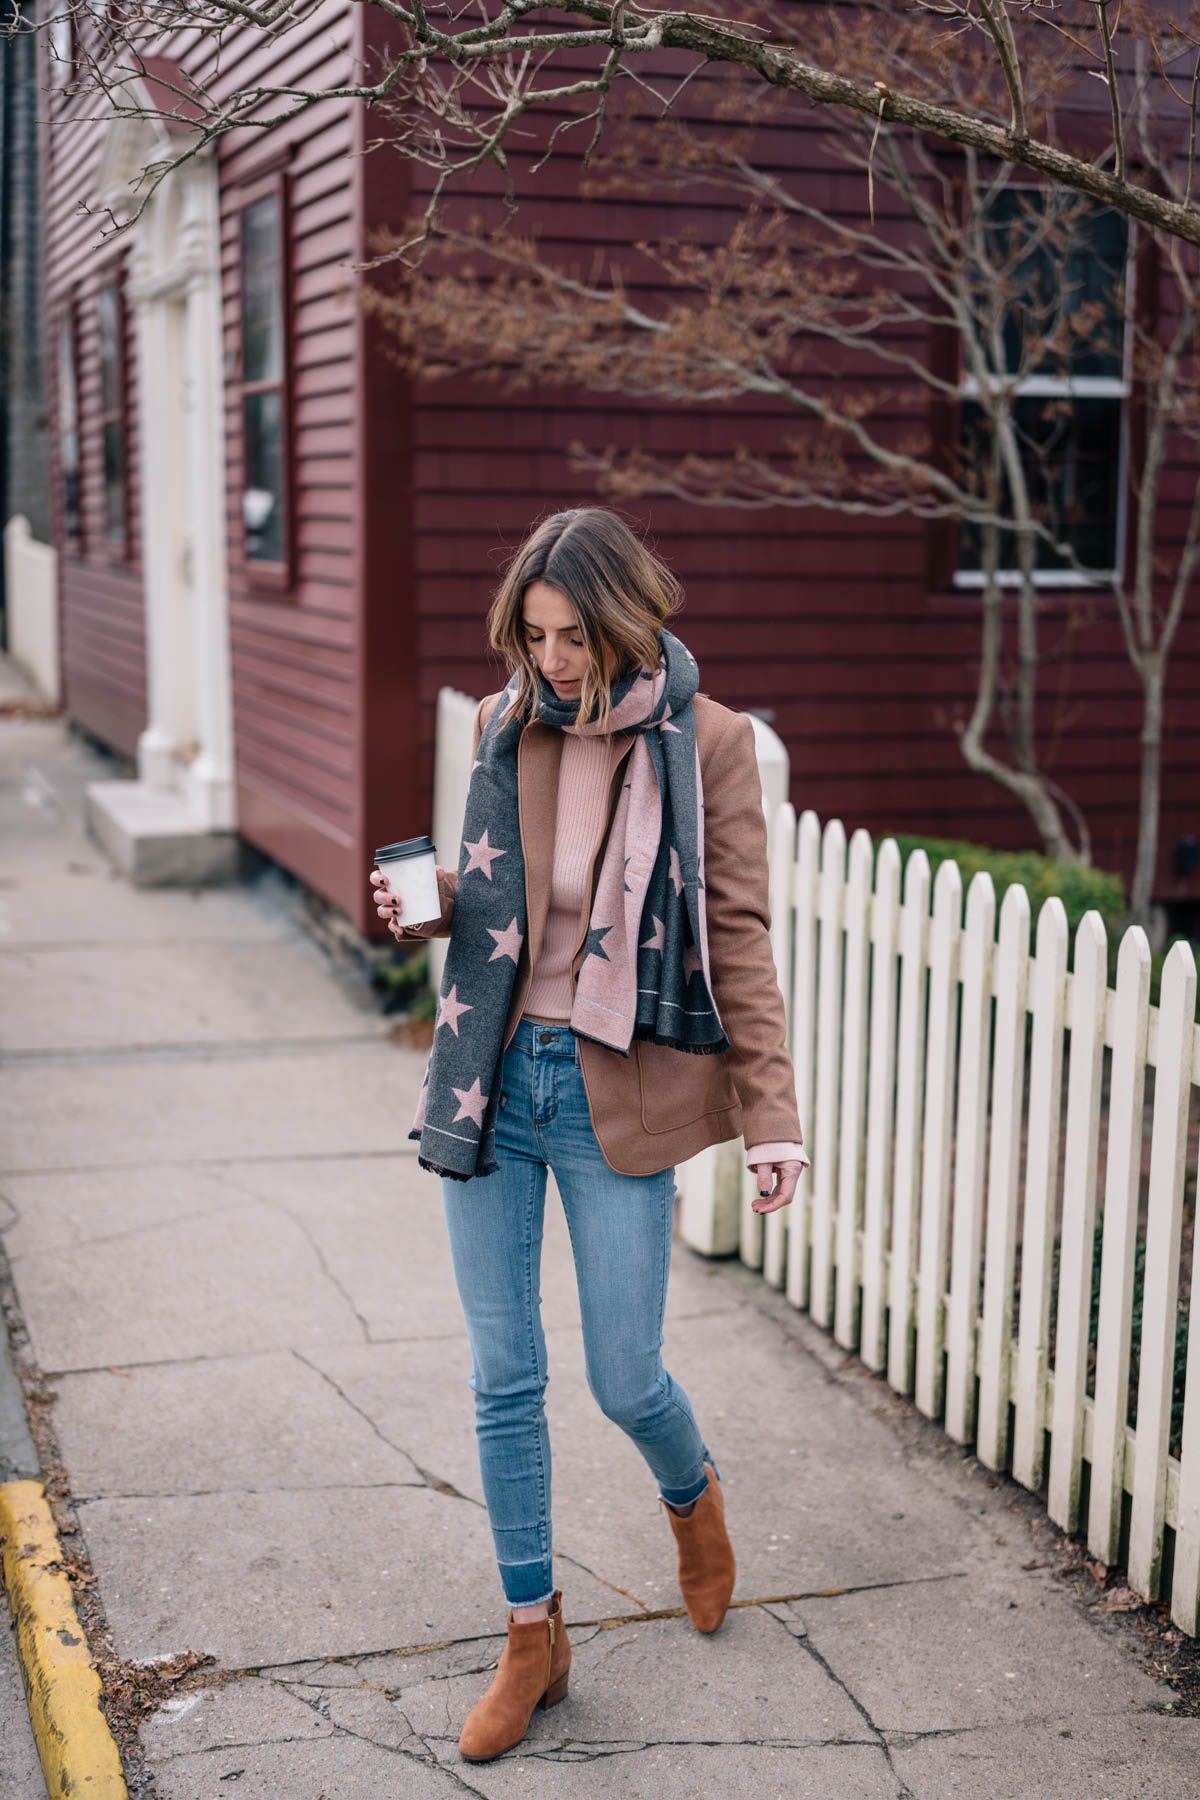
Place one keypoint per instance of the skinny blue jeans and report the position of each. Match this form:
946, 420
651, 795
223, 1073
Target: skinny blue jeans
620, 1228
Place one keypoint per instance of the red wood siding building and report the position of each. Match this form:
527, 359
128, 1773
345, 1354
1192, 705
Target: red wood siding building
400, 500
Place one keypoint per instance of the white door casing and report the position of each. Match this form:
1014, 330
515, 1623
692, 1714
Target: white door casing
174, 288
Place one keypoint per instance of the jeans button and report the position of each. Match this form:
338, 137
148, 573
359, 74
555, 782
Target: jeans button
545, 1037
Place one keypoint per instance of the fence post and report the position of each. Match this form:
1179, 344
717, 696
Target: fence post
885, 922
1126, 1097
854, 1081
804, 1023
1185, 1588
1088, 1001
970, 1136
829, 1039
935, 1149
1008, 1081
1160, 1289
783, 871
1041, 1182
774, 777
910, 1091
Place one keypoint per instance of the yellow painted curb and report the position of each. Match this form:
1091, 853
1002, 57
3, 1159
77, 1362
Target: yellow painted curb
74, 1743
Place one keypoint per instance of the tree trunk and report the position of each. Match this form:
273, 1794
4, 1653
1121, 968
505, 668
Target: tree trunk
1029, 787
1152, 671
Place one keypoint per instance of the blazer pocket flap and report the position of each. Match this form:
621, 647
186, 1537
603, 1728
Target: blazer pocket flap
679, 1087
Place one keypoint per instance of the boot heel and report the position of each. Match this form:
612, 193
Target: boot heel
556, 1691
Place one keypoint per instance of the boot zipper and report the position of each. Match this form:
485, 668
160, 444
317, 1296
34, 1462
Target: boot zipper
549, 1653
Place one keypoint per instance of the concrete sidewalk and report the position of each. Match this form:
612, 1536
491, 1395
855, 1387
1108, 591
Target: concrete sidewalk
234, 1275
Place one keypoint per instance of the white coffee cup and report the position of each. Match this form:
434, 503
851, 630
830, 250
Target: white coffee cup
410, 870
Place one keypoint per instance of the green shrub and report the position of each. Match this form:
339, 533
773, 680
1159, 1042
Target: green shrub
1081, 890
401, 979
1157, 960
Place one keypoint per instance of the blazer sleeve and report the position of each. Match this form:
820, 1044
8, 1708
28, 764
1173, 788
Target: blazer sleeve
448, 879
745, 983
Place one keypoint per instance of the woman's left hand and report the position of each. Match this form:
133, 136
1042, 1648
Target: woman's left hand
776, 1185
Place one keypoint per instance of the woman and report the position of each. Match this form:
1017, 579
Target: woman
609, 1008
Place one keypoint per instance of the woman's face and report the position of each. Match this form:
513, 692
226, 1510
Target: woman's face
552, 634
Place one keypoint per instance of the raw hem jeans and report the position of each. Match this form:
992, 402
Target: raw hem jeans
620, 1228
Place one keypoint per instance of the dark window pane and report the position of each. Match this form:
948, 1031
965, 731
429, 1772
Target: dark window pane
1070, 451
68, 430
114, 481
1095, 274
108, 306
262, 499
109, 310
262, 291
71, 502
1064, 268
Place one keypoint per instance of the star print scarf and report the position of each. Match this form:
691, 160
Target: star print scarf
645, 970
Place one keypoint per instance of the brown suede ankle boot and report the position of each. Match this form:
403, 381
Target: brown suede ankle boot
706, 1566
532, 1671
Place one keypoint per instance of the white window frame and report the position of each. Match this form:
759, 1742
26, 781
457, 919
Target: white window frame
61, 47
1074, 387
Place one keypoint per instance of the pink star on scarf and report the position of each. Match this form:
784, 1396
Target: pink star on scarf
659, 940
471, 1102
675, 873
662, 724
449, 1009
508, 941
482, 856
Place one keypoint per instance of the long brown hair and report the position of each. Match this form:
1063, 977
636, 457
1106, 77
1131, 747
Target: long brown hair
621, 592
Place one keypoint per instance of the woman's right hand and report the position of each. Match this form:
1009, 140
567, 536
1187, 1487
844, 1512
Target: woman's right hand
388, 905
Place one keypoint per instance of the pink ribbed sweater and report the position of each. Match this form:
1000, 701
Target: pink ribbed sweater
579, 821
578, 827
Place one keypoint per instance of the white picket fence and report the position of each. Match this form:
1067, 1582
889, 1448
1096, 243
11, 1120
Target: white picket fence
952, 1085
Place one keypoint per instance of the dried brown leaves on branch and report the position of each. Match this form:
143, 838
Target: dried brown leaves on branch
463, 84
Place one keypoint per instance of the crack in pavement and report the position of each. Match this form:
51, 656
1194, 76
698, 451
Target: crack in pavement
580, 1750
128, 1231
184, 1362
565, 1556
428, 1479
831, 1593
363, 1737
609, 1623
335, 1281
418, 1679
901, 1740
325, 1487
805, 1643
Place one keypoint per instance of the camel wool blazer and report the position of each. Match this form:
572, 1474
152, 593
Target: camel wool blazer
657, 1107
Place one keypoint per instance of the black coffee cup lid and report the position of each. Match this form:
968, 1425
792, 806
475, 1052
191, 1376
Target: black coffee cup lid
419, 846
